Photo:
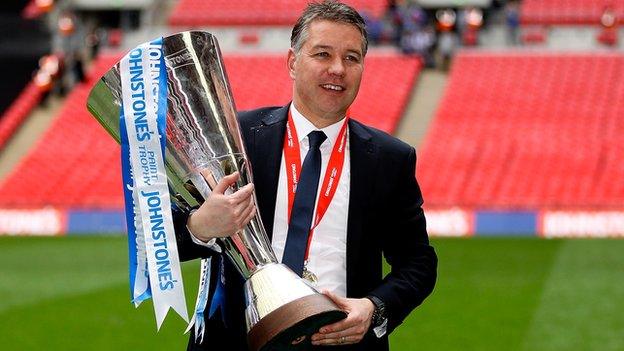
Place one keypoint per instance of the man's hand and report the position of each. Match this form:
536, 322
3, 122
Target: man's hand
223, 215
350, 330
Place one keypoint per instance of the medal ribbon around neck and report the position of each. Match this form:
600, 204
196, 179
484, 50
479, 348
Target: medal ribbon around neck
292, 155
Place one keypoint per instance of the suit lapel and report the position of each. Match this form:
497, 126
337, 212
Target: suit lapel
363, 152
266, 153
268, 139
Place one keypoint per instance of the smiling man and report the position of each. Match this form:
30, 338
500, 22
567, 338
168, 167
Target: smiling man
326, 70
333, 235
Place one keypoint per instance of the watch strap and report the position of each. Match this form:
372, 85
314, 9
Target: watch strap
379, 314
379, 320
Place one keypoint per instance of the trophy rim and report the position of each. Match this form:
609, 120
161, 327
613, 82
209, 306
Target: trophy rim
298, 319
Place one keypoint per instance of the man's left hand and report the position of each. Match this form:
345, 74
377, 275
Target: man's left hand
350, 330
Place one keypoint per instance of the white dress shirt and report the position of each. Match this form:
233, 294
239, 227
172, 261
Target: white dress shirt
328, 249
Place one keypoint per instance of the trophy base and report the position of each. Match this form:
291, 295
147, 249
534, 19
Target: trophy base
291, 326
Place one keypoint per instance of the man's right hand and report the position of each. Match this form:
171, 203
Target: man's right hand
223, 215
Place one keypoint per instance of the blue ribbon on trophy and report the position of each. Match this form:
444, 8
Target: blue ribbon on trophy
217, 302
218, 299
153, 255
137, 259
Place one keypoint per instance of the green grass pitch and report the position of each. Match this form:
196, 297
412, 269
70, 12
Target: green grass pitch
71, 293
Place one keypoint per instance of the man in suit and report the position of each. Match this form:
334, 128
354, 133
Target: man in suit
374, 209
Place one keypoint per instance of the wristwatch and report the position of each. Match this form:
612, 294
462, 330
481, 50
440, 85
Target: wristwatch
379, 321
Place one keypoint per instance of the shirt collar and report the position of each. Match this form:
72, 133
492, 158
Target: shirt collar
304, 126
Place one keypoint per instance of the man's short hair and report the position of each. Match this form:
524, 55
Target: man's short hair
328, 10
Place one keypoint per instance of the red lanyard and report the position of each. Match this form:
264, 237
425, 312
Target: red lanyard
292, 155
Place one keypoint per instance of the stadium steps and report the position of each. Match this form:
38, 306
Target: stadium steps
426, 95
28, 133
18, 111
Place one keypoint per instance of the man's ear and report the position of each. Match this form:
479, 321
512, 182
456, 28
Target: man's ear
292, 57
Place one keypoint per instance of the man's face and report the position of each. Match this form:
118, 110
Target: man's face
327, 71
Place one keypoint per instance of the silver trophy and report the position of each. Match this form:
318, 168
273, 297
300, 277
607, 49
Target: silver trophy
204, 145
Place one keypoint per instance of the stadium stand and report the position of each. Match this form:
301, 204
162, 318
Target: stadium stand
376, 105
18, 111
76, 164
252, 12
528, 131
567, 11
65, 165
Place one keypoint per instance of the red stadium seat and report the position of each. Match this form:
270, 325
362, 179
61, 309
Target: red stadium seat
252, 12
76, 164
567, 11
527, 131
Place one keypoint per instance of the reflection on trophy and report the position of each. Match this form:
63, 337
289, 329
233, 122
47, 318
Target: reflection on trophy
282, 309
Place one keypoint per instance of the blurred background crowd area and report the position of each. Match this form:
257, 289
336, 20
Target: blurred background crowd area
62, 36
514, 106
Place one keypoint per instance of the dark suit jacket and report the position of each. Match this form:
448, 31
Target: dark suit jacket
385, 218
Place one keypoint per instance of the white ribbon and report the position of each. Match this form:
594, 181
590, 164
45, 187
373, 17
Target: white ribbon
144, 108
